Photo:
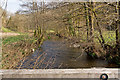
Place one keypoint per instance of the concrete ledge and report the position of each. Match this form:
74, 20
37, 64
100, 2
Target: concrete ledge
59, 73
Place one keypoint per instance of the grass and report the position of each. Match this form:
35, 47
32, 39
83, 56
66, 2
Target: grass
6, 30
9, 40
15, 48
10, 31
109, 36
50, 31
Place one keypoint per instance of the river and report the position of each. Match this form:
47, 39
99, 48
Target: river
55, 54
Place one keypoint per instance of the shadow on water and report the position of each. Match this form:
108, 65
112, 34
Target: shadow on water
56, 54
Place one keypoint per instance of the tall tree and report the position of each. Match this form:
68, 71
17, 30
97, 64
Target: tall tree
90, 14
118, 28
86, 16
119, 21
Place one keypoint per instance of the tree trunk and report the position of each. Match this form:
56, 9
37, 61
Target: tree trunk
86, 16
90, 16
0, 17
100, 32
38, 30
119, 23
118, 29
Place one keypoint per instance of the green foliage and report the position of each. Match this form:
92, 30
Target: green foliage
93, 54
35, 33
38, 32
114, 59
109, 36
6, 30
49, 37
50, 31
71, 30
13, 39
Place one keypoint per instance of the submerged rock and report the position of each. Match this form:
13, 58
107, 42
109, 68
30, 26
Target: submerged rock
75, 45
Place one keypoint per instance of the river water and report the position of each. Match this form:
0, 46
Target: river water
55, 54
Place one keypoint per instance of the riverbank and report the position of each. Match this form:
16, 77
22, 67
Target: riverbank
55, 53
96, 49
15, 48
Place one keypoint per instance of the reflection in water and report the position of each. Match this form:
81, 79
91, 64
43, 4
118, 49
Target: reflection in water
56, 54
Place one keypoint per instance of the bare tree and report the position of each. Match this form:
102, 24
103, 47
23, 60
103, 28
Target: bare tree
118, 28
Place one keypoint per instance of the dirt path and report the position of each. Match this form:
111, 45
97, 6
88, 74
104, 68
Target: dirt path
8, 34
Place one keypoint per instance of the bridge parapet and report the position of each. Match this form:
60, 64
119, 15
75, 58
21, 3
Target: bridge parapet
60, 73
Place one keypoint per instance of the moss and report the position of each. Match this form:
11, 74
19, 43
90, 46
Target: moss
6, 29
93, 54
90, 52
49, 37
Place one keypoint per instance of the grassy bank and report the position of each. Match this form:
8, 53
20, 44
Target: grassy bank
109, 52
6, 30
9, 40
15, 49
109, 36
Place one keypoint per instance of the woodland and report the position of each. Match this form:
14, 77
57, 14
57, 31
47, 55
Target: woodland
93, 27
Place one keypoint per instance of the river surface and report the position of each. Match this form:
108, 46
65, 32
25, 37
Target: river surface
55, 54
